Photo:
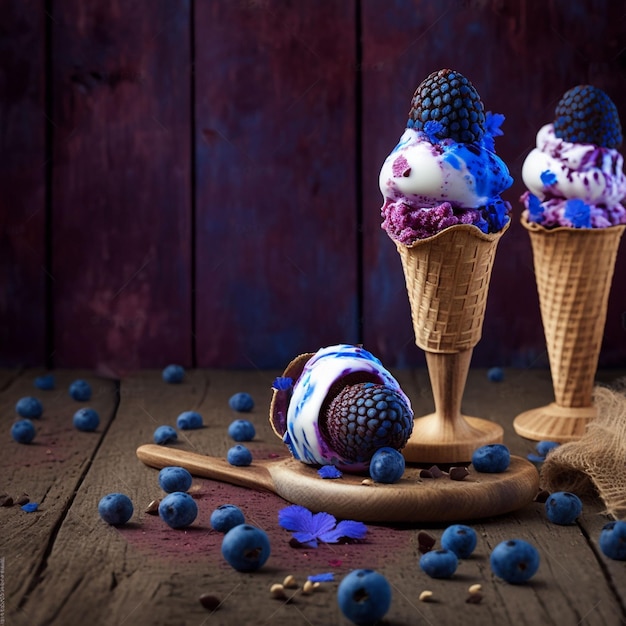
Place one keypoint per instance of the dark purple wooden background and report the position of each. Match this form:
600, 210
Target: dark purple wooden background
196, 182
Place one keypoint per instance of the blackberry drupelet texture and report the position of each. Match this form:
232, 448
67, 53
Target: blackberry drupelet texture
449, 98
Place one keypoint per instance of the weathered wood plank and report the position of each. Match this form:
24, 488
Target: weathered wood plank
49, 470
536, 52
22, 180
121, 188
147, 573
276, 249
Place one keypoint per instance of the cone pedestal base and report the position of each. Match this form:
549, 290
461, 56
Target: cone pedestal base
554, 422
446, 436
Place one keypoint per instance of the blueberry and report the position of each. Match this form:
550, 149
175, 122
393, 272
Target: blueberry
387, 465
491, 459
241, 430
178, 509
80, 390
29, 407
225, 517
86, 420
173, 374
515, 560
115, 508
613, 540
460, 539
439, 563
239, 455
174, 478
364, 596
45, 382
495, 374
543, 447
563, 507
23, 431
189, 420
164, 434
245, 547
241, 402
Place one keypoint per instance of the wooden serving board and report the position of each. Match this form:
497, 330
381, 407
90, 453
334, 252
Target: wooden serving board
412, 499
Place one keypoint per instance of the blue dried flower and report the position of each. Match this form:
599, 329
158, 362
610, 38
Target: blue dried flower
322, 578
30, 507
493, 121
282, 383
329, 471
535, 210
578, 213
309, 528
431, 129
548, 178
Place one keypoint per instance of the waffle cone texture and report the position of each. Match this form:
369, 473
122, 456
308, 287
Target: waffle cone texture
447, 279
573, 269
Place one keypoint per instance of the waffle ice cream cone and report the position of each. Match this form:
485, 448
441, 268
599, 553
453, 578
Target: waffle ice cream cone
447, 279
574, 268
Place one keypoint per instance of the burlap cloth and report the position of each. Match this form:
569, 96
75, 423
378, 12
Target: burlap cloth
596, 463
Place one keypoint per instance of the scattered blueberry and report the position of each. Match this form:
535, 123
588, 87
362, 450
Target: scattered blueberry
439, 563
387, 465
115, 508
495, 374
178, 509
241, 430
543, 447
45, 382
86, 420
174, 478
239, 455
80, 390
241, 402
515, 561
364, 596
23, 431
189, 420
563, 507
245, 547
491, 459
173, 374
225, 517
460, 539
164, 434
30, 507
29, 407
613, 540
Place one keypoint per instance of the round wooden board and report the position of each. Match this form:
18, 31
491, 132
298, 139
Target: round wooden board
412, 499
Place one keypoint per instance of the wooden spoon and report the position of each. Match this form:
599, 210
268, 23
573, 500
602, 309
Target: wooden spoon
412, 499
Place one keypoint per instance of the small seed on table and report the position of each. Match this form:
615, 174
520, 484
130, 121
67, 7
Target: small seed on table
367, 482
209, 602
426, 596
308, 587
290, 582
475, 588
153, 507
277, 591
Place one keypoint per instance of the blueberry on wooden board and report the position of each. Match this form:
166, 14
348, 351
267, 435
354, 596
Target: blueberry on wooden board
241, 402
515, 561
178, 509
241, 430
439, 563
364, 596
189, 420
225, 517
115, 508
460, 539
245, 547
174, 478
86, 420
563, 507
23, 431
239, 455
164, 434
493, 458
387, 465
80, 390
173, 374
29, 407
613, 540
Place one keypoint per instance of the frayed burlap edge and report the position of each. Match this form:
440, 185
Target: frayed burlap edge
596, 464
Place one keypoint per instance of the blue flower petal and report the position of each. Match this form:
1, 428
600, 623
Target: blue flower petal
535, 210
431, 129
29, 507
548, 178
344, 529
322, 578
329, 471
578, 213
282, 383
294, 517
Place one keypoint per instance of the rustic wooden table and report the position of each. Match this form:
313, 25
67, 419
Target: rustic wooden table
63, 565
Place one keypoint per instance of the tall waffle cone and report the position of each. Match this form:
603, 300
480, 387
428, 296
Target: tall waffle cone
447, 279
573, 268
